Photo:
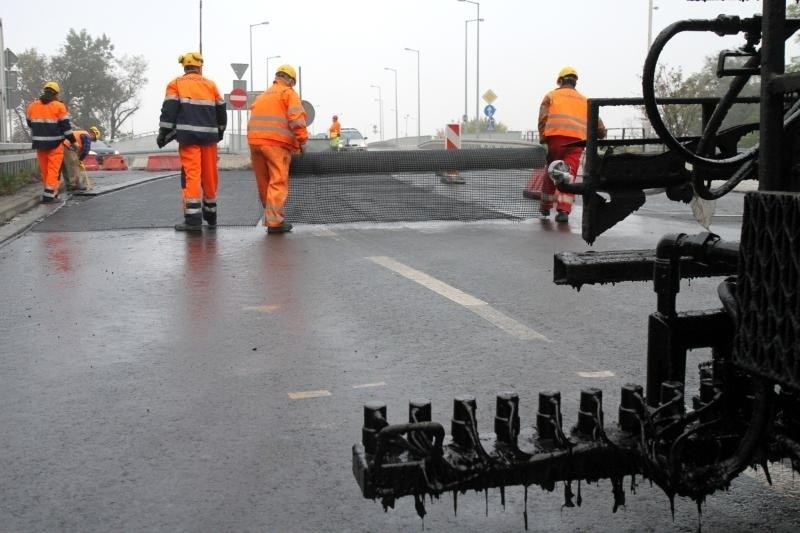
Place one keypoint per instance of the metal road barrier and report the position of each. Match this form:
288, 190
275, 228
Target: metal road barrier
17, 158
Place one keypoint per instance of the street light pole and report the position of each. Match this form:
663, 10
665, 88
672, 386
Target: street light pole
419, 117
466, 24
396, 120
650, 9
477, 59
268, 74
380, 110
201, 27
251, 50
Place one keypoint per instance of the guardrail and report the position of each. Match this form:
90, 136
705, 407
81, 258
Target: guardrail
16, 158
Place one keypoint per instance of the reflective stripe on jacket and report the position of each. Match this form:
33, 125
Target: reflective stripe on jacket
194, 108
277, 118
563, 112
49, 123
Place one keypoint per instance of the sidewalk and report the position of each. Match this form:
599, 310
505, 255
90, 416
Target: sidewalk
19, 211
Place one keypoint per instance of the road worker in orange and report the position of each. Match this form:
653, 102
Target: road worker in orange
193, 113
276, 130
562, 120
335, 132
49, 122
74, 154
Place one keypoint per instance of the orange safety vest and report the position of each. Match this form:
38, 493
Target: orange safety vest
567, 114
79, 138
277, 118
335, 130
49, 123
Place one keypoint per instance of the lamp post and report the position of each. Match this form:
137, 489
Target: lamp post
408, 116
251, 50
268, 74
396, 129
477, 58
380, 110
466, 24
650, 9
419, 116
200, 17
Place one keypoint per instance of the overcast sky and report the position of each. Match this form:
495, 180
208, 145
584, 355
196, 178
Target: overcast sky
342, 48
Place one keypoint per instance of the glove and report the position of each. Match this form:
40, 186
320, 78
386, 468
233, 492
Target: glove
302, 150
161, 139
220, 135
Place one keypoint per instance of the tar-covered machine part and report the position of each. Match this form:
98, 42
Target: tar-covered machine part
691, 443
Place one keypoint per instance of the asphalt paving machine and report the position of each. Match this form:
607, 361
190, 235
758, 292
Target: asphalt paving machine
746, 412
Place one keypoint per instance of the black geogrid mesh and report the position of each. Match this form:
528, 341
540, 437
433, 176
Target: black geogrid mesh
768, 288
413, 185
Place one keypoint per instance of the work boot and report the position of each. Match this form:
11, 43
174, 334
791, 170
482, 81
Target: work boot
191, 222
183, 226
283, 228
210, 214
562, 217
545, 212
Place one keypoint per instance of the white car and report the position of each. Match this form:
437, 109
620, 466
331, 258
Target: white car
351, 139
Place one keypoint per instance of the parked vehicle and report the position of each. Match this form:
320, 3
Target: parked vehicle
100, 149
351, 139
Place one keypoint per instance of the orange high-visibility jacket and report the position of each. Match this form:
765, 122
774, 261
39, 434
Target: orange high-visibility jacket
335, 130
563, 112
277, 118
194, 108
83, 143
49, 123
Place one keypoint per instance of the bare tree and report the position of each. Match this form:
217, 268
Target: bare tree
97, 87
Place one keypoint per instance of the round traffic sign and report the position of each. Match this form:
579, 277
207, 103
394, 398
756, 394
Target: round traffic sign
238, 97
310, 113
489, 110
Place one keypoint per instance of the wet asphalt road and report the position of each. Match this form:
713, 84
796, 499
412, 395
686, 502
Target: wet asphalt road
158, 381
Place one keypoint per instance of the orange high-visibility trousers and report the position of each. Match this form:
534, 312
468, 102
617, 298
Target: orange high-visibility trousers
271, 169
199, 178
50, 166
571, 155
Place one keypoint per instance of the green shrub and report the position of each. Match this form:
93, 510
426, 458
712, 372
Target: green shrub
12, 182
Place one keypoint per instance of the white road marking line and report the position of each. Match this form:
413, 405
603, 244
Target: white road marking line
369, 385
304, 395
479, 307
598, 374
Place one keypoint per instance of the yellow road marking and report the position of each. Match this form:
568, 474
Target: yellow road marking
305, 395
261, 308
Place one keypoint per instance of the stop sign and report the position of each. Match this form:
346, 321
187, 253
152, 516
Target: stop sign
238, 98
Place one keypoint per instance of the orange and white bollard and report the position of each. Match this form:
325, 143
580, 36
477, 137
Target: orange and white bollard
452, 141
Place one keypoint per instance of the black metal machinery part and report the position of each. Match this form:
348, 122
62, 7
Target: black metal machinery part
746, 411
746, 161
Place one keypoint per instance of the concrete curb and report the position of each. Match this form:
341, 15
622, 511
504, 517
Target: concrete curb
21, 201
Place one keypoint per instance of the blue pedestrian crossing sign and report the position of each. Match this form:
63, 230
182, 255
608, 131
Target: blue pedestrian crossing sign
489, 110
